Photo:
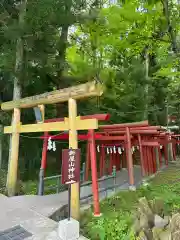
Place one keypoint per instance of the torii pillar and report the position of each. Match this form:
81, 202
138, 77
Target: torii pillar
71, 124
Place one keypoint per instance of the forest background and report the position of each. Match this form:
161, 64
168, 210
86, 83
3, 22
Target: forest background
132, 46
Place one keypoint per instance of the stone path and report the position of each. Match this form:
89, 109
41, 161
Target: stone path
33, 212
12, 214
121, 180
49, 204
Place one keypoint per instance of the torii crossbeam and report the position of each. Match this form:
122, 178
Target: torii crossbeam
71, 124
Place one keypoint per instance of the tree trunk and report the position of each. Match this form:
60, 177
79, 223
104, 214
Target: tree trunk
169, 146
146, 90
169, 26
61, 107
157, 157
18, 65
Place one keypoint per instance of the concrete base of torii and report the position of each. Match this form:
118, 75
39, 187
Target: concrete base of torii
66, 230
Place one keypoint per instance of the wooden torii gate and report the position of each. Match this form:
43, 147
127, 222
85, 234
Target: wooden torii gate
71, 124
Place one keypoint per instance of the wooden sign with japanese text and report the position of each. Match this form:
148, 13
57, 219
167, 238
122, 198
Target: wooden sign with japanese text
70, 166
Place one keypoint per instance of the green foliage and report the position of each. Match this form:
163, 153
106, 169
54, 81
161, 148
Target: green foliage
114, 46
117, 212
2, 181
83, 39
116, 228
30, 187
3, 176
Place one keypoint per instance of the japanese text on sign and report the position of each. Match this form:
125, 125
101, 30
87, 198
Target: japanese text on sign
70, 166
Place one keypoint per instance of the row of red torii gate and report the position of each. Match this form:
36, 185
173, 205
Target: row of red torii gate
122, 146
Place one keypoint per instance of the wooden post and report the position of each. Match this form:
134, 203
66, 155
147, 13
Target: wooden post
104, 160
148, 160
14, 152
73, 143
154, 159
170, 152
160, 157
110, 163
120, 162
144, 160
157, 157
94, 175
87, 161
141, 156
166, 151
43, 165
174, 151
129, 160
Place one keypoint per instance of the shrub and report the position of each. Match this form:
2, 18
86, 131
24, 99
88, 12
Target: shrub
3, 175
3, 178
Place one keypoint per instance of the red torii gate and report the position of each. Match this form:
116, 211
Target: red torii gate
128, 134
147, 138
128, 129
91, 137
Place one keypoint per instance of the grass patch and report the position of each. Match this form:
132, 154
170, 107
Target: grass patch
2, 181
117, 212
30, 187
